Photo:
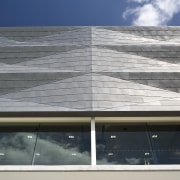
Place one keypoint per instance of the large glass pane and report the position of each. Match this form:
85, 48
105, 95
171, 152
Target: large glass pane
122, 144
165, 143
63, 145
17, 144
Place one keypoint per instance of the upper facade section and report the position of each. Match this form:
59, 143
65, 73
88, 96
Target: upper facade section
63, 69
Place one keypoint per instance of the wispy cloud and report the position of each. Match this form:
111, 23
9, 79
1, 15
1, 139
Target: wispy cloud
152, 12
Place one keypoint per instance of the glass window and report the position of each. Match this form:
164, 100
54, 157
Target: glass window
17, 144
70, 144
63, 145
122, 144
165, 141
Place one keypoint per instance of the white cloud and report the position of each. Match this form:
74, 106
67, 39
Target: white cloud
153, 12
53, 152
18, 150
169, 7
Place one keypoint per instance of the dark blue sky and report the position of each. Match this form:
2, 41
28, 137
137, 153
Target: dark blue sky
61, 12
65, 12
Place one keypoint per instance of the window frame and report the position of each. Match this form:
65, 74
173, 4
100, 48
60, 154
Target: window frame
93, 166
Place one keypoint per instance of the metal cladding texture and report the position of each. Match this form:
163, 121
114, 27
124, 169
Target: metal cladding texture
89, 69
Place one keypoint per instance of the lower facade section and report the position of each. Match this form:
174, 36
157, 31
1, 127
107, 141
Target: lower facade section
105, 175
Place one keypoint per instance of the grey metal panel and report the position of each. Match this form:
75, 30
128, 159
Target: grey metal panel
81, 36
17, 82
28, 33
159, 33
74, 60
70, 92
89, 69
155, 79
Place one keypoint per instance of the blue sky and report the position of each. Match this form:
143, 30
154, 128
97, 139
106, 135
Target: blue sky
89, 12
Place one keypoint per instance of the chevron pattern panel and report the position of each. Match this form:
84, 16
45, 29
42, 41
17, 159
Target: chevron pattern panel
89, 69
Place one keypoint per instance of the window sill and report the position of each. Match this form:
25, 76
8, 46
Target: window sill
91, 168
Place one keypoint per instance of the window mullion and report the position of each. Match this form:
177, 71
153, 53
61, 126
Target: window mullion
93, 142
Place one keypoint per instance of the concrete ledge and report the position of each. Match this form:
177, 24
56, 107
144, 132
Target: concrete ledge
92, 168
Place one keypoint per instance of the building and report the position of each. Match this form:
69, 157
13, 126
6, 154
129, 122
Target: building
90, 102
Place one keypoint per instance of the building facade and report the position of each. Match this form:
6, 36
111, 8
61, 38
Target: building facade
90, 102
